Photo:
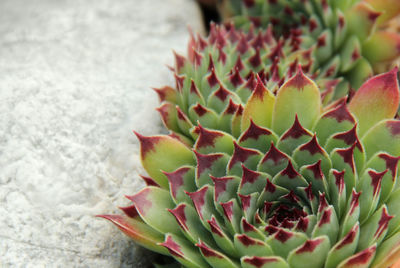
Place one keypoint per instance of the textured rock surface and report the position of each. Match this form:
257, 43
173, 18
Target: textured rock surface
74, 81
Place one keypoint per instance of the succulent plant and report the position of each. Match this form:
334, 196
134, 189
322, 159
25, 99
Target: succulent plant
223, 71
348, 34
301, 185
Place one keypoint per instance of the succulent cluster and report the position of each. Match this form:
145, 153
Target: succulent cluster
225, 72
348, 34
300, 184
283, 150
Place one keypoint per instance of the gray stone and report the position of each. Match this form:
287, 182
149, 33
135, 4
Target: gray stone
75, 80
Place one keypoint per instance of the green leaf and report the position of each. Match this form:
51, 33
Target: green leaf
183, 251
388, 252
310, 153
283, 242
163, 153
203, 115
210, 164
294, 137
274, 161
327, 225
376, 100
313, 253
299, 95
394, 209
181, 181
337, 119
139, 231
223, 240
384, 137
344, 248
263, 262
257, 137
190, 223
361, 19
242, 156
248, 246
215, 258
374, 229
350, 54
152, 203
362, 259
289, 178
382, 46
259, 107
370, 188
211, 141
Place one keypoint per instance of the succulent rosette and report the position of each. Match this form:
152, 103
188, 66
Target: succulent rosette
348, 34
221, 73
301, 185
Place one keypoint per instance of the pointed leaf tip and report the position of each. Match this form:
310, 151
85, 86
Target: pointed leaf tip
138, 231
163, 153
259, 106
299, 95
299, 80
179, 61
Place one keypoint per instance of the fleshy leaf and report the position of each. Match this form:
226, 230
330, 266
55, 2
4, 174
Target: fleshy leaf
344, 248
263, 262
166, 93
163, 153
257, 137
293, 137
168, 116
375, 228
221, 238
248, 246
190, 224
388, 252
203, 115
381, 162
289, 178
337, 191
183, 252
152, 204
389, 9
352, 214
259, 107
327, 225
181, 180
313, 253
210, 164
215, 258
299, 95
383, 137
274, 161
140, 232
360, 260
335, 120
243, 156
376, 100
203, 202
310, 153
394, 209
361, 19
283, 242
370, 187
211, 141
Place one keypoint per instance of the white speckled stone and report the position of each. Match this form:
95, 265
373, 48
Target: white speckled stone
75, 79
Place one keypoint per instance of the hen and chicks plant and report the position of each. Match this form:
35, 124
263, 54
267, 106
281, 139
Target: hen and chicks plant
283, 151
300, 184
